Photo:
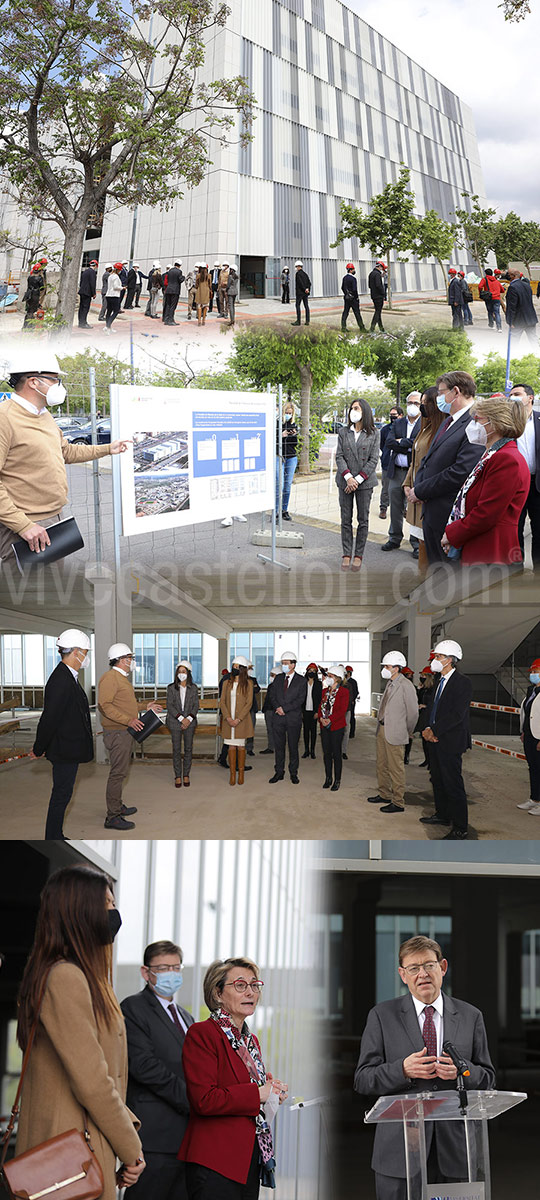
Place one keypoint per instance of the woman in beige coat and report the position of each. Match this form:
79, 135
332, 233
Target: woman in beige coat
236, 719
203, 291
79, 1057
432, 419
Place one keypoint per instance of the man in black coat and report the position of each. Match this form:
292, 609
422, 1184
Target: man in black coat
448, 461
455, 298
395, 412
131, 284
399, 442
520, 312
303, 289
288, 697
87, 292
171, 297
138, 285
529, 447
64, 732
349, 287
377, 291
448, 734
155, 1028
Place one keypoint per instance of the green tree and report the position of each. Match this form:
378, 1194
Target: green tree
302, 362
477, 229
515, 240
413, 359
515, 10
389, 226
106, 102
435, 238
491, 375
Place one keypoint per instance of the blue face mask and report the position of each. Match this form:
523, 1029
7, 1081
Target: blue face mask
443, 404
534, 677
167, 983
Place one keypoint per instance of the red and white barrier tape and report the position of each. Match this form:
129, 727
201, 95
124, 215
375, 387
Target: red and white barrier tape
499, 749
495, 707
13, 758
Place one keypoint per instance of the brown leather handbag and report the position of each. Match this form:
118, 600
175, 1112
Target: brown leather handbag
65, 1166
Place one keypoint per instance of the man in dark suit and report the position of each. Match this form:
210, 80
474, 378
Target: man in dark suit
395, 412
64, 732
302, 284
131, 284
377, 291
455, 298
175, 280
399, 443
288, 697
155, 1028
87, 292
349, 287
448, 733
529, 446
448, 461
402, 1053
520, 312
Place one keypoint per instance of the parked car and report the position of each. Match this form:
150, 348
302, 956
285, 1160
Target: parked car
83, 434
70, 423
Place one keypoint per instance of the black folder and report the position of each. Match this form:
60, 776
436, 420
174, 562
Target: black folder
65, 537
151, 721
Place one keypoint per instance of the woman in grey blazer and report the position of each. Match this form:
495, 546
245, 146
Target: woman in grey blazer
182, 709
357, 456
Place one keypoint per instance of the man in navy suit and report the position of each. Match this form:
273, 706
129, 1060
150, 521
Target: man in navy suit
448, 734
529, 445
448, 461
399, 442
520, 313
155, 1028
287, 701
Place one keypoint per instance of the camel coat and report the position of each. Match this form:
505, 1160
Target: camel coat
413, 516
244, 700
74, 1064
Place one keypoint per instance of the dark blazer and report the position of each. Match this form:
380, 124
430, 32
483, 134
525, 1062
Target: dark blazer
488, 533
520, 311
132, 278
174, 704
223, 1101
88, 282
455, 291
392, 1033
64, 732
175, 280
287, 446
536, 419
359, 457
156, 1086
452, 721
316, 693
397, 442
267, 702
292, 699
445, 466
385, 450
376, 285
302, 283
349, 286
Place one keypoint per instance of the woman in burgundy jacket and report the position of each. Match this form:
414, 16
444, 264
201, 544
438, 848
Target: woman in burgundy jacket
332, 719
483, 526
228, 1144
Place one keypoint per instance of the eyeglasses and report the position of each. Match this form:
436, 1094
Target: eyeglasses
416, 968
163, 970
241, 985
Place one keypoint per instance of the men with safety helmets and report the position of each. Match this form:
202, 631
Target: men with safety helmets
530, 735
377, 291
302, 284
289, 692
33, 452
64, 732
119, 711
448, 734
349, 287
455, 298
396, 719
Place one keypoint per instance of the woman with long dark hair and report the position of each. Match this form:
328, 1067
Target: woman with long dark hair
357, 456
182, 709
77, 1069
236, 720
431, 420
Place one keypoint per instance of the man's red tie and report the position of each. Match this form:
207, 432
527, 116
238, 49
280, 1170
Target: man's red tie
429, 1033
446, 425
176, 1019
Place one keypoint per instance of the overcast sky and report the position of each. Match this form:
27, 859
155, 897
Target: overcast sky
491, 65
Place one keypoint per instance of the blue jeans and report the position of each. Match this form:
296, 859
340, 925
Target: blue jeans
493, 312
289, 467
467, 314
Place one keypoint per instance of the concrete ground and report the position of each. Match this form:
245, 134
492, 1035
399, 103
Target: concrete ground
213, 809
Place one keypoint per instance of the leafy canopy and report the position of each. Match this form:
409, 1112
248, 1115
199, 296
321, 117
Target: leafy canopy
415, 358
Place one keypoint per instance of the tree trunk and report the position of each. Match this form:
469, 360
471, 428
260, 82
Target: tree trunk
387, 256
441, 264
306, 382
70, 270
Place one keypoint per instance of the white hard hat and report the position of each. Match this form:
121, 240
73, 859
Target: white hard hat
119, 650
186, 664
452, 649
240, 660
108, 266
168, 267
298, 263
30, 360
135, 265
216, 264
156, 264
125, 262
289, 654
233, 267
337, 670
394, 658
72, 638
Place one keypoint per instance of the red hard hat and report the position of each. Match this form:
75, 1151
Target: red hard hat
535, 665
350, 266
407, 671
462, 273
380, 263
452, 271
43, 262
312, 667
93, 262
225, 671
348, 668
497, 396
427, 671
497, 272
118, 266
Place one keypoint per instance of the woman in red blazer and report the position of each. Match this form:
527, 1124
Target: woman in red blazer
228, 1145
332, 719
483, 526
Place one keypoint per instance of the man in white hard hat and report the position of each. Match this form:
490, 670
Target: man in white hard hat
119, 710
222, 291
448, 735
33, 452
214, 286
397, 717
287, 701
64, 732
302, 284
171, 297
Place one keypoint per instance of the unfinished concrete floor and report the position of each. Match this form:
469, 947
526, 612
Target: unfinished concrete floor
210, 808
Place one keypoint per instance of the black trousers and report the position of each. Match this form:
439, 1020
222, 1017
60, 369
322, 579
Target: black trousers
302, 300
388, 1187
533, 762
64, 775
354, 303
287, 730
163, 1176
432, 537
352, 727
448, 787
130, 294
309, 721
531, 509
377, 315
331, 742
285, 293
138, 290
205, 1184
84, 309
169, 308
113, 308
214, 295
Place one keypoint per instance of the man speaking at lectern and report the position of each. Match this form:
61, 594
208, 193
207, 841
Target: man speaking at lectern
402, 1053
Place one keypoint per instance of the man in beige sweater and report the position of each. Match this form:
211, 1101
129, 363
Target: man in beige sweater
119, 712
33, 453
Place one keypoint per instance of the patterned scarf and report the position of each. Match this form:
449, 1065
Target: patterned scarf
245, 1045
329, 700
458, 511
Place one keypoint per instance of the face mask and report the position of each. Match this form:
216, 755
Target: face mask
327, 682
476, 433
413, 411
85, 662
285, 668
355, 415
534, 677
393, 417
167, 983
312, 674
115, 921
182, 678
235, 671
55, 395
288, 416
251, 674
436, 664
443, 404
386, 674
423, 410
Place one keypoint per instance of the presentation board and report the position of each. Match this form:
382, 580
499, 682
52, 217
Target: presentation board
195, 455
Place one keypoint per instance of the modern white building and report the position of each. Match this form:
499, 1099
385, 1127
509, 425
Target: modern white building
338, 109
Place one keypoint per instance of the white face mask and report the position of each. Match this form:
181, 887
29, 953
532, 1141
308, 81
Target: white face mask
85, 662
386, 673
355, 415
182, 678
413, 411
55, 395
327, 681
251, 673
288, 416
436, 664
476, 433
285, 668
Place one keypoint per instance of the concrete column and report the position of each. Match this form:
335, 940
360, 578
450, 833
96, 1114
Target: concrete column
377, 684
419, 639
223, 654
112, 623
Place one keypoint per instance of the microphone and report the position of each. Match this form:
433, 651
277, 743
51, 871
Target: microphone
458, 1061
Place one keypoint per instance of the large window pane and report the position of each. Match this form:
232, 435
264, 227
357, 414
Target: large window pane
33, 660
167, 651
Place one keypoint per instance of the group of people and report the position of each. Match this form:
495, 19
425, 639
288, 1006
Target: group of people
516, 300
169, 1106
122, 284
463, 472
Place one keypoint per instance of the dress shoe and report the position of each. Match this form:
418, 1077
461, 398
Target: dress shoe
305, 754
118, 823
392, 808
424, 763
313, 755
248, 768
276, 778
382, 513
251, 753
376, 800
435, 819
295, 322
295, 779
178, 781
456, 835
186, 777
327, 783
286, 516
415, 552
390, 546
345, 756
267, 751
127, 812
335, 787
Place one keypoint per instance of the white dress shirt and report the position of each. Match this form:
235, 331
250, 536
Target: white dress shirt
309, 696
466, 407
402, 459
27, 404
438, 1007
165, 1001
527, 445
182, 690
